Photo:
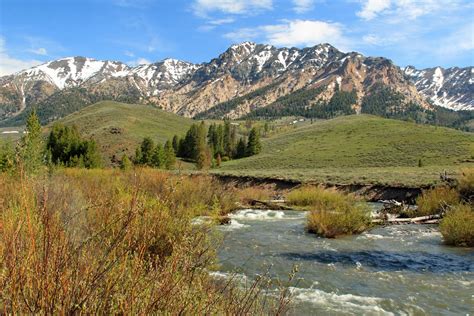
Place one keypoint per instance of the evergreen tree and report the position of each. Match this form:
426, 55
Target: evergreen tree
31, 150
176, 141
90, 155
66, 147
157, 157
241, 149
254, 146
7, 157
220, 140
227, 139
204, 158
169, 155
188, 148
147, 150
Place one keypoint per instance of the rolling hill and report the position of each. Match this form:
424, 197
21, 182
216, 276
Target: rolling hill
120, 127
360, 149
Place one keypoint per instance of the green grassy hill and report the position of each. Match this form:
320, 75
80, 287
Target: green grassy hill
360, 149
120, 127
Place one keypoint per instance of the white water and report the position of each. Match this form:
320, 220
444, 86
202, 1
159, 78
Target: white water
394, 270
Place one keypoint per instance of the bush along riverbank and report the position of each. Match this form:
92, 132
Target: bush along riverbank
334, 214
111, 242
331, 213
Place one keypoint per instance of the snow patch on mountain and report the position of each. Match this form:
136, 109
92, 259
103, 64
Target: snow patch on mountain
452, 88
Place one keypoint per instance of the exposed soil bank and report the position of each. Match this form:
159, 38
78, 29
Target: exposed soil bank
371, 193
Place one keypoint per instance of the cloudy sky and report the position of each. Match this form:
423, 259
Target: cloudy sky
423, 33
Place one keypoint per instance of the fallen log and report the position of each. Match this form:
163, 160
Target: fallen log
430, 219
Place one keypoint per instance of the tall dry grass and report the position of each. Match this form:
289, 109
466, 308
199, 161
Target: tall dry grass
331, 213
457, 227
436, 201
107, 242
466, 184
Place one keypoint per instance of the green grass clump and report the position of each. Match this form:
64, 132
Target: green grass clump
457, 227
332, 214
436, 201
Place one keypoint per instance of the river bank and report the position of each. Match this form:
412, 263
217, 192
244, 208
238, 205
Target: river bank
369, 192
384, 271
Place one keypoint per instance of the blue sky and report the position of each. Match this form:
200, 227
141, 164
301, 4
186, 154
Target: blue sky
423, 33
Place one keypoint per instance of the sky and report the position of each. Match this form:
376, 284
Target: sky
423, 33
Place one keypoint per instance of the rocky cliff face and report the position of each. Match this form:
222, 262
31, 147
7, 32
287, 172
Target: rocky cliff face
190, 89
452, 88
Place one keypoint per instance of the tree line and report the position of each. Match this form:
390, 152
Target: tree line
64, 146
206, 146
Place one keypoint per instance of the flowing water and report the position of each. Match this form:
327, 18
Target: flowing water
400, 269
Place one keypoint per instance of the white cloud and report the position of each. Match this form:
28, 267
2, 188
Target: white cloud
302, 6
372, 8
129, 53
295, 33
221, 21
398, 11
203, 7
139, 61
39, 51
10, 65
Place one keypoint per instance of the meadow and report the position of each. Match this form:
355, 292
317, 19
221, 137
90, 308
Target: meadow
118, 128
360, 149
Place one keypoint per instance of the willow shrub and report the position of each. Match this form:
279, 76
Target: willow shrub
436, 201
107, 242
332, 213
466, 184
457, 227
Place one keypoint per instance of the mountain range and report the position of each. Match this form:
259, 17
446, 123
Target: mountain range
250, 76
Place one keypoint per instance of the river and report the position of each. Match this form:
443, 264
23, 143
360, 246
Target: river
400, 269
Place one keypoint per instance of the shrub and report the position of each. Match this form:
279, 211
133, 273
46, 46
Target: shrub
436, 201
457, 227
112, 242
259, 193
316, 197
466, 184
332, 214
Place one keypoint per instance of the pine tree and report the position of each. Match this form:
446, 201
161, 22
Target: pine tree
204, 158
90, 155
241, 149
169, 155
147, 148
66, 147
176, 141
31, 146
254, 146
158, 157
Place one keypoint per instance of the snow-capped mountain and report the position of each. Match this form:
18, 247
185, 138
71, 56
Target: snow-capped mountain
452, 88
60, 87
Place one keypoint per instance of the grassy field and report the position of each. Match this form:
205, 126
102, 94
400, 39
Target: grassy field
119, 127
360, 149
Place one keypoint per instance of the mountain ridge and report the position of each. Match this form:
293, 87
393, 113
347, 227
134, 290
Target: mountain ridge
190, 89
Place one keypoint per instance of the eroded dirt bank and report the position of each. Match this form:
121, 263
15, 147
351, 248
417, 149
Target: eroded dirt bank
371, 193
